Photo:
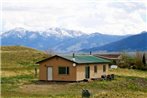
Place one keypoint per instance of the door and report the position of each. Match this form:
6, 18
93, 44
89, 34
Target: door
87, 72
49, 73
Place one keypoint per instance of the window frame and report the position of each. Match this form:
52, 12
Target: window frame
66, 70
104, 68
95, 68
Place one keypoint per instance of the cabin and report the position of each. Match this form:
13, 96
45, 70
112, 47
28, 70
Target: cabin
72, 68
114, 58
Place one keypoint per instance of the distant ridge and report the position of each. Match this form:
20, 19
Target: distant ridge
132, 43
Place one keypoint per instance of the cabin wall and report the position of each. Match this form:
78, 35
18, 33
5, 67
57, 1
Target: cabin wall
55, 63
76, 73
81, 71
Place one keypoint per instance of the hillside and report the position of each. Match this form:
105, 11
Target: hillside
17, 58
132, 43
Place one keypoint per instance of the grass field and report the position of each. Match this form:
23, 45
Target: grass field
17, 80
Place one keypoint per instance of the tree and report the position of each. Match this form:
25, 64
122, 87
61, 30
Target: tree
144, 59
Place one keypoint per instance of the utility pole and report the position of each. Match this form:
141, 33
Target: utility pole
144, 59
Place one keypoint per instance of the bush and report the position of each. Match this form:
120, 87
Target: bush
132, 62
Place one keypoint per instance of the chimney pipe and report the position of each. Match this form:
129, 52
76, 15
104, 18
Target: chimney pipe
90, 52
73, 57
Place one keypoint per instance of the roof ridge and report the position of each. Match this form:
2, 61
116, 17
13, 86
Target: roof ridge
81, 59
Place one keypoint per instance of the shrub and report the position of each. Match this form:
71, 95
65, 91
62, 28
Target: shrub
132, 62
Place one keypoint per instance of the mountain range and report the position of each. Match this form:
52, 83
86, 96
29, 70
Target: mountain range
60, 39
136, 42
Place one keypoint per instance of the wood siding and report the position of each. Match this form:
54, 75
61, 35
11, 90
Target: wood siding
81, 71
55, 63
76, 73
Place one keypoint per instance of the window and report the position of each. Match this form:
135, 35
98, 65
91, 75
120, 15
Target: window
95, 69
104, 68
63, 70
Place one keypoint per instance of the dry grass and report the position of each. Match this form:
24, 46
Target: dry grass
18, 80
129, 72
16, 56
122, 87
10, 73
17, 60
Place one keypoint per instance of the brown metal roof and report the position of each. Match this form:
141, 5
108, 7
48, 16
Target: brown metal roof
108, 56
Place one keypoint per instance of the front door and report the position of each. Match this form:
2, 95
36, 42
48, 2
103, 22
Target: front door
49, 73
87, 72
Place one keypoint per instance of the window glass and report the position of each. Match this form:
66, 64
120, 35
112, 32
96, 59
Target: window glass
67, 70
95, 69
63, 70
104, 68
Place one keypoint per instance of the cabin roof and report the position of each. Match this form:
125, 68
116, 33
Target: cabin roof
80, 59
86, 59
108, 56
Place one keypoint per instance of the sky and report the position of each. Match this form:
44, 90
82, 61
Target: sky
117, 17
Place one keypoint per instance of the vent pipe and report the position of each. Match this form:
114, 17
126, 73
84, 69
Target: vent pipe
90, 53
73, 57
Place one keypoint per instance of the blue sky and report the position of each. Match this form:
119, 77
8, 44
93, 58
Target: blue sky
104, 16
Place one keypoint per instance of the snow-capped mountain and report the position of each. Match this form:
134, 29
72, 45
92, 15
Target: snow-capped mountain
61, 32
18, 32
57, 39
58, 32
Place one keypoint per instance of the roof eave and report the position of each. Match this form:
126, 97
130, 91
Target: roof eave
53, 57
96, 63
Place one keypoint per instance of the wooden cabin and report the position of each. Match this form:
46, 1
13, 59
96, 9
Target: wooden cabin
72, 68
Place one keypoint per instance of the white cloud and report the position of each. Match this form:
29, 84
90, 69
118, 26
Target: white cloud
88, 16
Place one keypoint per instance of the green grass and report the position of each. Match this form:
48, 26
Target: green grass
17, 60
17, 56
18, 80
